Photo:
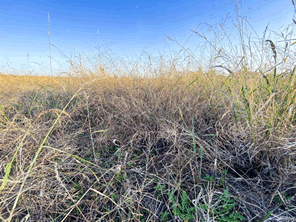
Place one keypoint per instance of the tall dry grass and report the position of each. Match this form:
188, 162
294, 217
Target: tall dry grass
93, 146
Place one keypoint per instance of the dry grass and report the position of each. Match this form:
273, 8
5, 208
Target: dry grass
123, 145
192, 146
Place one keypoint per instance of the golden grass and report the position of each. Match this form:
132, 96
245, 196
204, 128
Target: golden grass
169, 130
176, 146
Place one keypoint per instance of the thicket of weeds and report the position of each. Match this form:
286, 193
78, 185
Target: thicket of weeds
189, 146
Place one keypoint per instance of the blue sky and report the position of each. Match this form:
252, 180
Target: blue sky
80, 26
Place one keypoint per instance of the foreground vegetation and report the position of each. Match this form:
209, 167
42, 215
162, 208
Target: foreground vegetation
165, 148
176, 146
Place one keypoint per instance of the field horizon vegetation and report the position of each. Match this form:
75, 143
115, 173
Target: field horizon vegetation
173, 144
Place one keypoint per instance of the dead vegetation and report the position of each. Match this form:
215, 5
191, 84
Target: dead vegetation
137, 149
170, 146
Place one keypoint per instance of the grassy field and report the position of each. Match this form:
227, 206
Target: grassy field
179, 146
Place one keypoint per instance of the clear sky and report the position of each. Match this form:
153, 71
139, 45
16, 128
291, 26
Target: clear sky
124, 26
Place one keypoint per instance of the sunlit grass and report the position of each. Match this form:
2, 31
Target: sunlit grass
173, 146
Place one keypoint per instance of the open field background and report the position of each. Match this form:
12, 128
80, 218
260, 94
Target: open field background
173, 146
